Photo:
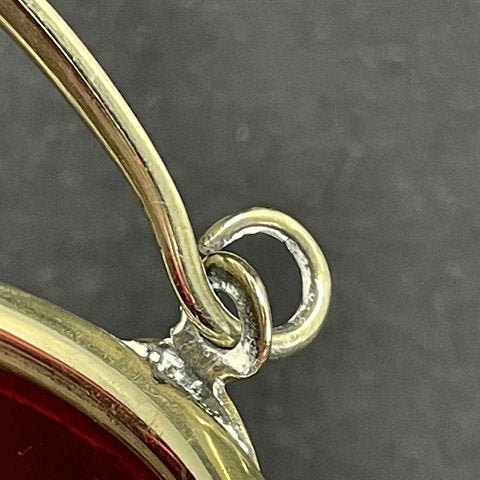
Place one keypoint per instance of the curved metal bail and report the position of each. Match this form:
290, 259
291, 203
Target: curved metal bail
46, 37
67, 62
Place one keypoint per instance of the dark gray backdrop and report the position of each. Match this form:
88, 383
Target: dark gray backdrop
359, 118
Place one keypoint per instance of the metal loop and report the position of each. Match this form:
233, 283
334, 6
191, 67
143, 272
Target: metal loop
232, 275
305, 324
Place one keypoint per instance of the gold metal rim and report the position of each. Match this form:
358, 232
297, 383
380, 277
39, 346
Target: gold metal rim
56, 350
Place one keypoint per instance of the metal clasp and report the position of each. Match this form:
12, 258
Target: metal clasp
200, 368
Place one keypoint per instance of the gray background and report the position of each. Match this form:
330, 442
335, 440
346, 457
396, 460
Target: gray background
359, 118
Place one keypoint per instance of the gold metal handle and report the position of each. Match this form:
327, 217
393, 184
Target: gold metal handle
67, 62
63, 57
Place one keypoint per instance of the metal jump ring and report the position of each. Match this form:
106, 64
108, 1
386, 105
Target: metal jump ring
233, 276
304, 325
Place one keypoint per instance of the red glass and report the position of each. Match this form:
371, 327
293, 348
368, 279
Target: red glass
44, 438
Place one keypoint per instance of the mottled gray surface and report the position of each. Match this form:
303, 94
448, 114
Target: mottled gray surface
361, 119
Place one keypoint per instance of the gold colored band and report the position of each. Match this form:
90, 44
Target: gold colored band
103, 378
62, 56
